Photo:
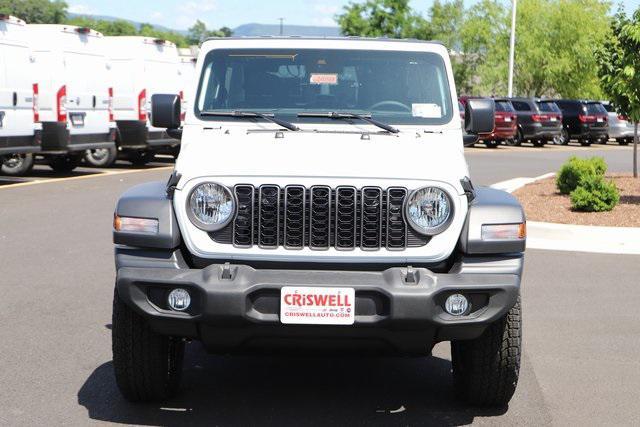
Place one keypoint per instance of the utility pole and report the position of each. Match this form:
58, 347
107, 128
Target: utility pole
281, 26
512, 45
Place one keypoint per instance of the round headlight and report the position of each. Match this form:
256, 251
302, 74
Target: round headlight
428, 210
210, 206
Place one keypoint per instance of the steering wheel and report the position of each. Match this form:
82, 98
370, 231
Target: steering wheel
390, 103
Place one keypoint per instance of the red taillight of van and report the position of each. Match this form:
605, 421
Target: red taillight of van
110, 104
183, 113
142, 105
36, 105
61, 100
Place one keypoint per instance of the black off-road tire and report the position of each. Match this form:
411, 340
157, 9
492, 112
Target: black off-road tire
64, 164
101, 158
16, 164
486, 369
147, 365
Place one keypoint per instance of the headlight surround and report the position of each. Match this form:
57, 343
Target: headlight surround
210, 206
429, 210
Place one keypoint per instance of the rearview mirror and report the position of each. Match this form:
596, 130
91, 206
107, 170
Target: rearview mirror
165, 111
479, 115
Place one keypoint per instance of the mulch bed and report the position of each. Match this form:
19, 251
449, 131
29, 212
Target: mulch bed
542, 202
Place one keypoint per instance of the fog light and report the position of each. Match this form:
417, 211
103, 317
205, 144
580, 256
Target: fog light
179, 299
456, 305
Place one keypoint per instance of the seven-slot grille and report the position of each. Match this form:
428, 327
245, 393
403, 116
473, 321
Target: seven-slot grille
319, 217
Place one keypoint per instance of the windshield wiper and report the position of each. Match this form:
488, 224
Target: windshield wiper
265, 116
342, 115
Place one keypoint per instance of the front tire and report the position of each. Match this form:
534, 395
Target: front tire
102, 157
17, 164
148, 366
486, 369
564, 137
517, 140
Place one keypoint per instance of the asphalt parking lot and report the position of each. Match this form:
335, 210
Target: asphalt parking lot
581, 328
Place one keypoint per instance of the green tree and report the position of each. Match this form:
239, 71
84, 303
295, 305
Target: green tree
199, 32
619, 70
380, 18
36, 11
118, 27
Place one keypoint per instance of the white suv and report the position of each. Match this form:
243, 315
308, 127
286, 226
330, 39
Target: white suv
321, 201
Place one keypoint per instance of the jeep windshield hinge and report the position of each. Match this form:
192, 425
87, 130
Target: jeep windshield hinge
469, 191
172, 183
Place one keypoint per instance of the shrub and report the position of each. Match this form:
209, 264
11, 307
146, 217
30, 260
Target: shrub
594, 194
575, 169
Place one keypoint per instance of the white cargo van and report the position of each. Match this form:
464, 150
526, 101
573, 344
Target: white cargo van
20, 132
140, 68
75, 95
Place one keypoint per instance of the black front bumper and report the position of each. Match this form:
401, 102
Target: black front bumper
241, 312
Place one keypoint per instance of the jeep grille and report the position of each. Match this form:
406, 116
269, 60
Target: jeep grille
320, 217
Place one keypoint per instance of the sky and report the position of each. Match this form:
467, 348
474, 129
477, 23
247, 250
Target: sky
181, 14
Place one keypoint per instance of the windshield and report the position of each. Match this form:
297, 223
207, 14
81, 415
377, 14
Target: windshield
394, 87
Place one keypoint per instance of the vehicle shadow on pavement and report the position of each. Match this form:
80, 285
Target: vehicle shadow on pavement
281, 391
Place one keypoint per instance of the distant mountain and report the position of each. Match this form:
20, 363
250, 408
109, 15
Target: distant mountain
245, 30
288, 30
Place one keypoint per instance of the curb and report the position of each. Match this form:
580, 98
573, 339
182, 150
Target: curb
571, 237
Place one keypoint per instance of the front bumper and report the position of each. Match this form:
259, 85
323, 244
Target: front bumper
237, 309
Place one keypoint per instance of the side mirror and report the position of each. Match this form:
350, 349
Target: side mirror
479, 116
165, 111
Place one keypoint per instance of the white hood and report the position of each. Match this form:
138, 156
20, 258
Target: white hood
408, 155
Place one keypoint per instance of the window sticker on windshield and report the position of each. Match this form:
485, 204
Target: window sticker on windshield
428, 111
324, 79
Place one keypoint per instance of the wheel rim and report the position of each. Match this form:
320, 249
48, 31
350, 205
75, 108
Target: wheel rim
99, 154
14, 161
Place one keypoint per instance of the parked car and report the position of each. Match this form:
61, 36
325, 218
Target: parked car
140, 68
321, 203
586, 121
620, 128
74, 97
505, 122
539, 121
20, 130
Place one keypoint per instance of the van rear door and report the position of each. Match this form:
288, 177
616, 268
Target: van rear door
87, 92
16, 89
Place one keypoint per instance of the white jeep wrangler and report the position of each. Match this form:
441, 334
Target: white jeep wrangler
321, 201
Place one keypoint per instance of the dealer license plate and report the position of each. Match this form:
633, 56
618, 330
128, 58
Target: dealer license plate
77, 119
553, 119
507, 119
317, 306
600, 120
